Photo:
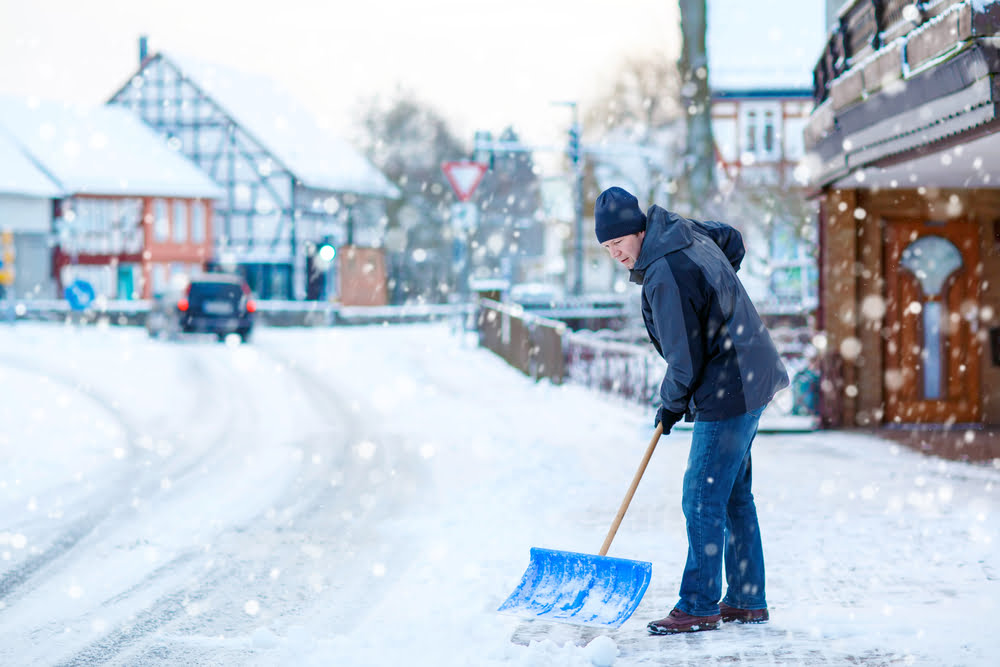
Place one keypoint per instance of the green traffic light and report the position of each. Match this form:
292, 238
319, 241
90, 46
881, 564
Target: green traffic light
327, 252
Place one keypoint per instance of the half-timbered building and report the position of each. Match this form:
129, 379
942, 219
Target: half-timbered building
290, 185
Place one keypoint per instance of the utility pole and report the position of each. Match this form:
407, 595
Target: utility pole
575, 158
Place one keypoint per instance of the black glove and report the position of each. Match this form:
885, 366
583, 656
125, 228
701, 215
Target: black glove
667, 418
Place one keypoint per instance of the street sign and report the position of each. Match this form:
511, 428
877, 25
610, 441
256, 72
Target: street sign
464, 216
79, 294
464, 177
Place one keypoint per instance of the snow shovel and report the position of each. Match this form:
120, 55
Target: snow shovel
582, 589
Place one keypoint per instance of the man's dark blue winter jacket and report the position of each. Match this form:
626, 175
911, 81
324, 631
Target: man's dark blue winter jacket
721, 362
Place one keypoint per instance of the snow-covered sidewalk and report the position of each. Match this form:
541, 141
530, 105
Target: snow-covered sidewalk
875, 554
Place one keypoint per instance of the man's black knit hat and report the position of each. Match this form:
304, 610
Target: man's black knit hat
616, 214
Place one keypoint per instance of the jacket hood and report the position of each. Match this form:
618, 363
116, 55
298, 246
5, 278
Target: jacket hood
665, 233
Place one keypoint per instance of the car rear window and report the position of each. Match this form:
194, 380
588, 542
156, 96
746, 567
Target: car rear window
214, 292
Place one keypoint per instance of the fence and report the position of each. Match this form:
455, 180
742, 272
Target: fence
629, 370
269, 313
527, 342
545, 348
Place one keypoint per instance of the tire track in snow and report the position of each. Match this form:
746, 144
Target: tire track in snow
241, 414
20, 582
12, 581
328, 519
304, 499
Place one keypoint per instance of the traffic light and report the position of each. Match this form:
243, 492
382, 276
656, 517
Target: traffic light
483, 149
574, 143
321, 255
326, 251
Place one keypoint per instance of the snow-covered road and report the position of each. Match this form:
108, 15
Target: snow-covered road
192, 490
368, 496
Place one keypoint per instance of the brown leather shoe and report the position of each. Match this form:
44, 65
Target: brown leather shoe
678, 622
730, 614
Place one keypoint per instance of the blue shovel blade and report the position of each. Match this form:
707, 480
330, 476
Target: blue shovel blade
579, 588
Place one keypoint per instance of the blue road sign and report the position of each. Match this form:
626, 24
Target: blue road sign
80, 294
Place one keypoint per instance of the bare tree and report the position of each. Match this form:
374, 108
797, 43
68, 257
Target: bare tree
635, 127
699, 174
645, 94
408, 140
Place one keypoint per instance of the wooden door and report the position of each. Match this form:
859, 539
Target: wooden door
932, 354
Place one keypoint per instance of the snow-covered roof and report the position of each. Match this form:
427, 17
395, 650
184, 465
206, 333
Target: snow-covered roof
19, 175
284, 127
101, 150
769, 44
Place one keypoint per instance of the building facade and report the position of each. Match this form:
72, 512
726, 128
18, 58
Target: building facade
27, 197
758, 134
905, 164
131, 247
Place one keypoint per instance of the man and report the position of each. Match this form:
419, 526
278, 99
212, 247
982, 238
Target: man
723, 370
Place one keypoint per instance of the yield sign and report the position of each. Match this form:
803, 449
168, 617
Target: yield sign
464, 177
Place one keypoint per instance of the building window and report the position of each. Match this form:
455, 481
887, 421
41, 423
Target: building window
751, 134
198, 222
932, 260
161, 220
128, 225
180, 275
180, 221
768, 132
159, 278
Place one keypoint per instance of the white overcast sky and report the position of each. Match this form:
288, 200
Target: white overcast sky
481, 63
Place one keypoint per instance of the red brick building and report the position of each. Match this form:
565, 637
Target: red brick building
131, 214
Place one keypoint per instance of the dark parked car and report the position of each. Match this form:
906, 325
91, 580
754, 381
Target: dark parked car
214, 303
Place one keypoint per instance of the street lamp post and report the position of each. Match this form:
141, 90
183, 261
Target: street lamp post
575, 157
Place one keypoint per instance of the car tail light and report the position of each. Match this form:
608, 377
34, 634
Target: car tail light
182, 303
251, 306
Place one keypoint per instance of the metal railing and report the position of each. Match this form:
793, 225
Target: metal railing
629, 370
270, 313
545, 348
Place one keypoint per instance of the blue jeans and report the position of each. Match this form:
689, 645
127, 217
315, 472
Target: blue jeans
721, 519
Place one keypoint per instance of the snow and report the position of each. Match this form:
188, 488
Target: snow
769, 44
284, 127
369, 495
19, 175
86, 149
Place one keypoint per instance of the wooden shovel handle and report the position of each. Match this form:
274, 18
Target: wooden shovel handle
631, 490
